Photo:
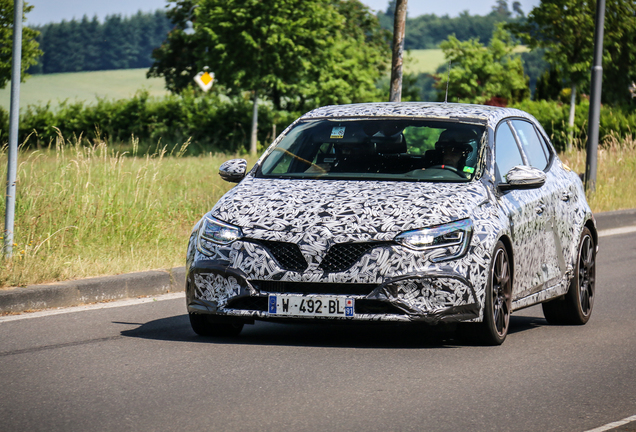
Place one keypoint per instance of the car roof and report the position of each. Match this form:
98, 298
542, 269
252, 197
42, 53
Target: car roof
426, 110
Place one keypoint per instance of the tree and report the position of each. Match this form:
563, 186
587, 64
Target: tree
501, 8
30, 47
619, 63
349, 70
565, 29
298, 53
177, 57
266, 46
487, 75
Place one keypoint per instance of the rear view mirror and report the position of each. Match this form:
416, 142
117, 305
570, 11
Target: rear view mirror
233, 171
523, 177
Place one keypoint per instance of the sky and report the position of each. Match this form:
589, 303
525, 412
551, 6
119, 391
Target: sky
46, 11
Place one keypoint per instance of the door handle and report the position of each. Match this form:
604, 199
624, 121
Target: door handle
540, 209
565, 197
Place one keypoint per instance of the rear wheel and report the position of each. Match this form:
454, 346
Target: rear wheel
575, 308
208, 325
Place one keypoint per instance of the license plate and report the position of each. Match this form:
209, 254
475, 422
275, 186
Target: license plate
310, 306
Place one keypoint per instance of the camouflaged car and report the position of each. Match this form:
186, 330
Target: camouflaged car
403, 212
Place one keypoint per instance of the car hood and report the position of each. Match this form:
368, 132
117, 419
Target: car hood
343, 206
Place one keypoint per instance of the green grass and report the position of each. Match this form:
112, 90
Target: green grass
84, 86
616, 174
428, 60
87, 211
423, 61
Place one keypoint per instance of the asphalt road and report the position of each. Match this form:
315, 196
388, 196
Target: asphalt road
140, 367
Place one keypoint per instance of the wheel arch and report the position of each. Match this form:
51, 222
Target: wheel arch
508, 245
589, 224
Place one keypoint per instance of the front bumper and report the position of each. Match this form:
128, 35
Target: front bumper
442, 295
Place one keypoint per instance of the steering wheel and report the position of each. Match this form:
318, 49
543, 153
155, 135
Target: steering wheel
449, 168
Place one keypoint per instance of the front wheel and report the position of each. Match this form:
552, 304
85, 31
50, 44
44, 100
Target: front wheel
497, 302
207, 325
576, 307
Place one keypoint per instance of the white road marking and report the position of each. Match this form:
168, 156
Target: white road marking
118, 303
613, 425
617, 231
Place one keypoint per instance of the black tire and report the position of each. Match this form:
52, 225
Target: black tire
575, 308
497, 302
207, 325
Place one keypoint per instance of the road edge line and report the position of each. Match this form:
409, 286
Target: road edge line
616, 231
610, 426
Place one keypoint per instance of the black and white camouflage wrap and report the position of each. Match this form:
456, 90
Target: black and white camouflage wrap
541, 225
233, 170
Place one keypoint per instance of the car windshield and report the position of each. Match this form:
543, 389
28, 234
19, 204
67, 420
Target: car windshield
377, 149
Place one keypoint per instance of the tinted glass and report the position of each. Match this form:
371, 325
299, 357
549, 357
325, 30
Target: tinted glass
506, 150
377, 149
532, 146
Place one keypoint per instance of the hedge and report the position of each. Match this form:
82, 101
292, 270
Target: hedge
213, 123
615, 121
218, 123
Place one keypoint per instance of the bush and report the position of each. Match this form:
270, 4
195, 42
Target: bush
218, 123
212, 122
619, 122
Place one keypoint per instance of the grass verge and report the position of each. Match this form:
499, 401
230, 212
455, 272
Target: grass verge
89, 210
93, 210
616, 173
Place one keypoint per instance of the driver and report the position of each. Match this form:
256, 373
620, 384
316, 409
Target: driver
454, 148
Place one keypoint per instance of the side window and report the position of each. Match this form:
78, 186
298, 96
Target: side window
506, 150
532, 146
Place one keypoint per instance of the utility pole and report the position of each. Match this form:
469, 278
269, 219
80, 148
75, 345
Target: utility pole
399, 25
254, 134
595, 99
14, 118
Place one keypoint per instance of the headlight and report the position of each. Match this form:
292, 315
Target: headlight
451, 240
215, 231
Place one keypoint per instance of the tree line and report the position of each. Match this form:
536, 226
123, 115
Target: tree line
128, 42
428, 31
89, 45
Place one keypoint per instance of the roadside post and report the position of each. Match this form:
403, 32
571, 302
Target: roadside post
14, 119
399, 25
595, 99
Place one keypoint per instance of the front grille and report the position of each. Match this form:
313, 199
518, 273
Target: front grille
312, 288
287, 255
364, 306
248, 303
342, 256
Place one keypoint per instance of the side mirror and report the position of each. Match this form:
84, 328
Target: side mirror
233, 171
523, 177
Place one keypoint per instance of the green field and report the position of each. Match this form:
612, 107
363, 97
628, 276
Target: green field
121, 84
83, 86
423, 61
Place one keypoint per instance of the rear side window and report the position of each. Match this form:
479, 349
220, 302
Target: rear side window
533, 147
507, 153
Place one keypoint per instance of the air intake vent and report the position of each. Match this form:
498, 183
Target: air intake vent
342, 256
270, 286
287, 254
